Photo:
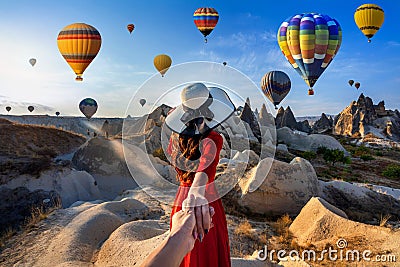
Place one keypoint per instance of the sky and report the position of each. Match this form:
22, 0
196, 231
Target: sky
245, 38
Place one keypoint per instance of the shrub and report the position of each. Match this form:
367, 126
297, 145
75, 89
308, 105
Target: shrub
392, 172
367, 157
379, 153
309, 155
361, 150
335, 155
321, 150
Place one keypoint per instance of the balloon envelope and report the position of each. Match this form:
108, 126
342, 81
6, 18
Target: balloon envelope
142, 101
31, 108
369, 19
32, 61
351, 82
57, 113
309, 42
79, 44
130, 27
8, 109
224, 63
88, 107
357, 85
205, 19
275, 86
162, 63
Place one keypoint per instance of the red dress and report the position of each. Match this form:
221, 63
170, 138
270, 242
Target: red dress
214, 251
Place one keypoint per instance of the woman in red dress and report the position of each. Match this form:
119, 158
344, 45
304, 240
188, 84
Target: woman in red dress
194, 148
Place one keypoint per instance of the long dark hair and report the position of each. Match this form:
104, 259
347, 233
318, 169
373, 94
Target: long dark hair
186, 153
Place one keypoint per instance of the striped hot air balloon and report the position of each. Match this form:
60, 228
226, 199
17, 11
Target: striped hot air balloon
205, 19
309, 42
130, 27
79, 44
369, 19
275, 86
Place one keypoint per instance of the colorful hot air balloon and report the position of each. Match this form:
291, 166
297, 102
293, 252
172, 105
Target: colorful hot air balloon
79, 44
130, 27
162, 63
32, 61
309, 42
369, 19
142, 101
357, 85
57, 113
275, 85
31, 108
351, 82
88, 107
205, 19
8, 109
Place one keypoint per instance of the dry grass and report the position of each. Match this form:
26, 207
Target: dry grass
384, 219
282, 228
41, 212
244, 229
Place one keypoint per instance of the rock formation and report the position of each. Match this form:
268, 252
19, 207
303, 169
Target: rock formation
320, 223
324, 124
362, 117
305, 142
250, 118
285, 118
276, 187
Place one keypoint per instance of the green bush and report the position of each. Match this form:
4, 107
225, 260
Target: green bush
366, 157
309, 155
379, 153
335, 155
321, 150
392, 172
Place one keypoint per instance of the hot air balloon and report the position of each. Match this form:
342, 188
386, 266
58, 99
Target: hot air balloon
130, 27
8, 109
88, 107
32, 61
224, 63
31, 108
205, 19
57, 113
142, 101
309, 42
369, 19
357, 85
79, 44
275, 85
162, 63
351, 82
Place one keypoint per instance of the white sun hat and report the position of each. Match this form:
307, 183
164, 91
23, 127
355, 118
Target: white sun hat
198, 101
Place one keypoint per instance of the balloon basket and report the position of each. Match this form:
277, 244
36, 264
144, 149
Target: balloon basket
310, 91
78, 78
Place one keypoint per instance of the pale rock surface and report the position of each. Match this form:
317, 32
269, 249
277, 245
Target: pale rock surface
278, 187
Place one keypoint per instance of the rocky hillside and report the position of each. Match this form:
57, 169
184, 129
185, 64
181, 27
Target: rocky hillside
362, 117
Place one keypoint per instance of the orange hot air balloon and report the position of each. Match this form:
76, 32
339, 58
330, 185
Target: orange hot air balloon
162, 63
130, 27
357, 85
79, 44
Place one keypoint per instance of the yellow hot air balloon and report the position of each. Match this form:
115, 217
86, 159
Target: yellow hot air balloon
162, 63
79, 44
369, 18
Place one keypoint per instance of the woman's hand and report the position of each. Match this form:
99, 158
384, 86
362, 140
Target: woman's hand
202, 212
